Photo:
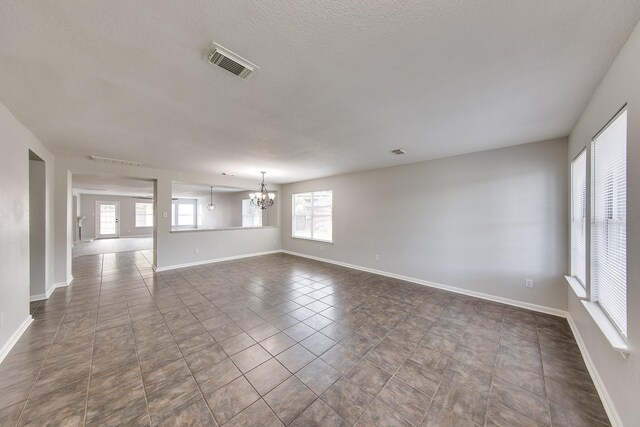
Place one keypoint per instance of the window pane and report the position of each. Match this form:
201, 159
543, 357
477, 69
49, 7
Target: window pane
322, 223
107, 219
609, 221
144, 214
301, 222
579, 217
251, 215
186, 214
173, 214
312, 215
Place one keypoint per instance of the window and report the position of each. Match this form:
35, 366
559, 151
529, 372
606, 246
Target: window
251, 215
144, 214
312, 215
609, 220
183, 213
579, 217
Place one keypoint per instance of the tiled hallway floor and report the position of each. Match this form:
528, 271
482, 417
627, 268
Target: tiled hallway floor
279, 340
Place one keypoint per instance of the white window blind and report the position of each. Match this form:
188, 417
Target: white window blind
312, 216
144, 214
609, 221
579, 217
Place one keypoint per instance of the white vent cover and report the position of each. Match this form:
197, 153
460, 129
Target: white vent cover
225, 59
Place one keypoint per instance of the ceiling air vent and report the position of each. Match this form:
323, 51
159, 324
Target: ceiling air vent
223, 58
398, 151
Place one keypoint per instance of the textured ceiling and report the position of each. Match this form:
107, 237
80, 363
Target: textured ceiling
340, 82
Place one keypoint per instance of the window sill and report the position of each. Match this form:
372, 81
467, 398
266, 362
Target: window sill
575, 284
614, 337
313, 240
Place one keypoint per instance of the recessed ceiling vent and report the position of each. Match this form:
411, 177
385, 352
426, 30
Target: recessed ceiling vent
223, 58
398, 151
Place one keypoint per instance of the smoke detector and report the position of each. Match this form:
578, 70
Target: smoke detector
227, 60
399, 151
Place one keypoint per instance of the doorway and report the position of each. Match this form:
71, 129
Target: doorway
112, 215
107, 220
37, 227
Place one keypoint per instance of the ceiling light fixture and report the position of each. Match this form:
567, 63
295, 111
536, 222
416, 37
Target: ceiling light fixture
114, 161
211, 206
263, 199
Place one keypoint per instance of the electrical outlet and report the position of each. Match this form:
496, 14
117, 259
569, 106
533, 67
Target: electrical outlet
165, 215
528, 283
1, 320
196, 251
321, 247
377, 257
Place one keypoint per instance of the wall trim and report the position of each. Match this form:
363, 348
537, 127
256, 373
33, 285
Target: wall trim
607, 402
14, 338
214, 260
52, 288
489, 297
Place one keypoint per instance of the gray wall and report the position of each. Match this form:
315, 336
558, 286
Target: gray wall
126, 218
228, 211
37, 229
170, 248
15, 143
483, 222
620, 377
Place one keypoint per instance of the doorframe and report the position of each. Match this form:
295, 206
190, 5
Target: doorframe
97, 210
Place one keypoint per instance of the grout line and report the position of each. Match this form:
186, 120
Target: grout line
93, 346
45, 357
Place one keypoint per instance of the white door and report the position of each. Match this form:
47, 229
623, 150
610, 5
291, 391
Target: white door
107, 219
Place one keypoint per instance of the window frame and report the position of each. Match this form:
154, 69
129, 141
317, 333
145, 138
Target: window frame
293, 209
593, 296
606, 324
135, 214
582, 283
175, 213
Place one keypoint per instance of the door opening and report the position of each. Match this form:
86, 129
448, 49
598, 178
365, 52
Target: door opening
37, 227
108, 219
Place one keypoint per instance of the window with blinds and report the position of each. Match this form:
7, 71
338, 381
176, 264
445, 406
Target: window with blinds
312, 216
579, 217
609, 220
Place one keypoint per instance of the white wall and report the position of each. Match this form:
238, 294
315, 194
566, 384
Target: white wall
170, 248
37, 229
15, 143
483, 222
620, 378
126, 218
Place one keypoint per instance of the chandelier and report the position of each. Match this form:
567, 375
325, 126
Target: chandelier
263, 199
211, 206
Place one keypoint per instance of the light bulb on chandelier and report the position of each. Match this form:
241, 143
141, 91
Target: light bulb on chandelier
263, 199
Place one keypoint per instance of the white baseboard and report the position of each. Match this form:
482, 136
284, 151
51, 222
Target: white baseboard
14, 338
211, 261
607, 402
53, 287
489, 297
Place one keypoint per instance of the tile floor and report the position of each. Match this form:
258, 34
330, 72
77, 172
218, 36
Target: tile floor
276, 340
